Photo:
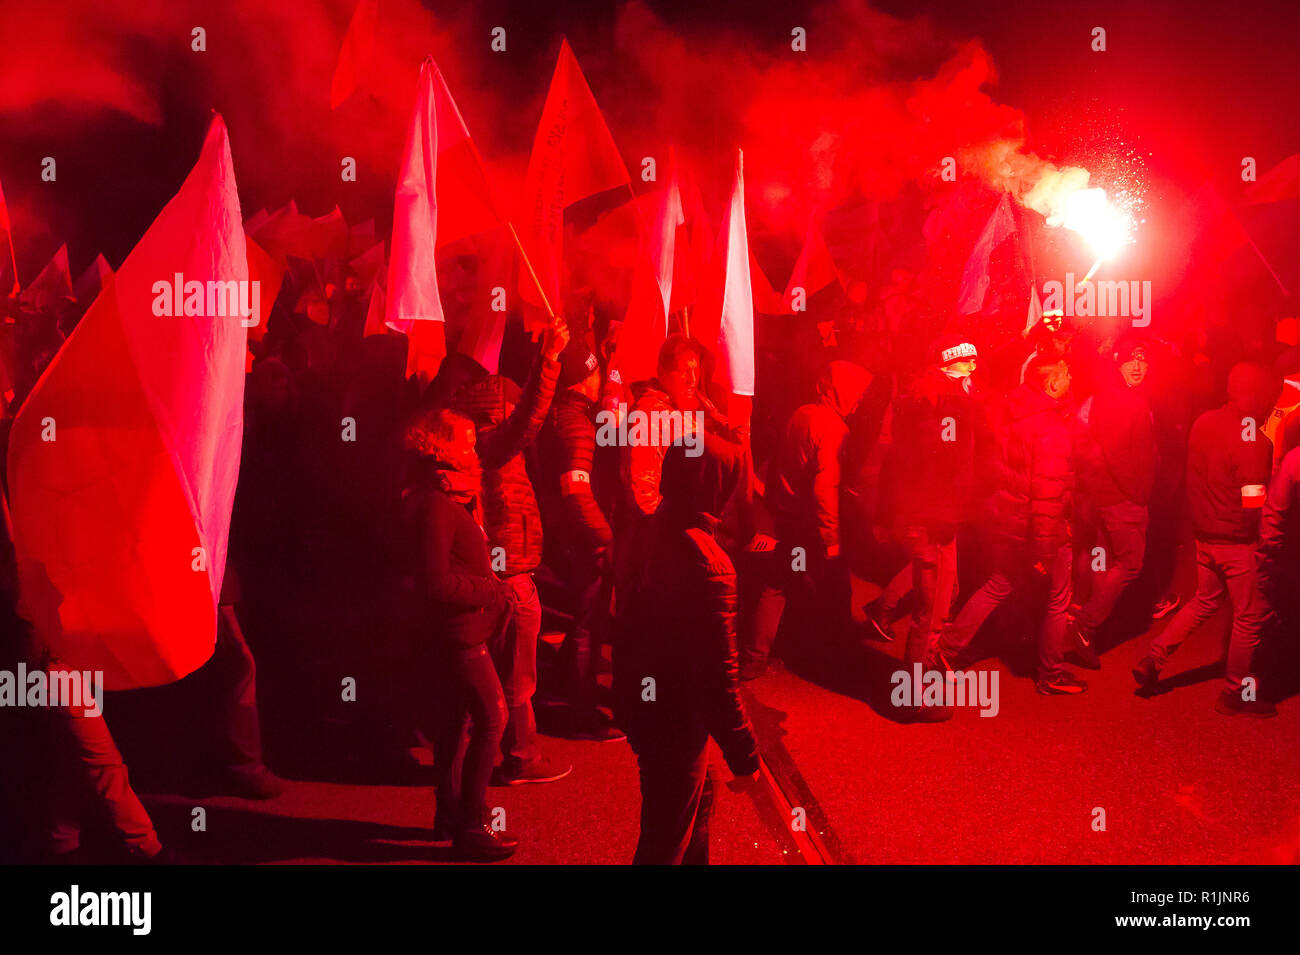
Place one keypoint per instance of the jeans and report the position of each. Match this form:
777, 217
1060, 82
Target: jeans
589, 583
515, 654
934, 586
676, 800
1222, 570
1121, 531
1003, 583
803, 602
92, 776
469, 737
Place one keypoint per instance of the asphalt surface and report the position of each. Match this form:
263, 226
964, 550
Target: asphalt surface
1171, 780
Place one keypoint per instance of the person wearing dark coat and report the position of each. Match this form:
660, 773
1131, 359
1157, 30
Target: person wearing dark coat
676, 672
928, 485
1229, 464
508, 421
1031, 524
466, 608
802, 495
578, 533
1117, 460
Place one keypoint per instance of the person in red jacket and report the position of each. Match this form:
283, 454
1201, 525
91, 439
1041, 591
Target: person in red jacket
466, 607
676, 672
1032, 551
1229, 463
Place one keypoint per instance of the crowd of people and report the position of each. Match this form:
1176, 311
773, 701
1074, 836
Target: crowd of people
1057, 469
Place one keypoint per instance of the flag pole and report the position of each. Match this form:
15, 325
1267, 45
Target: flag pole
537, 282
1267, 265
13, 257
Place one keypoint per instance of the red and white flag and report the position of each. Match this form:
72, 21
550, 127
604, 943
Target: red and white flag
124, 459
975, 279
732, 338
573, 157
813, 270
442, 195
646, 324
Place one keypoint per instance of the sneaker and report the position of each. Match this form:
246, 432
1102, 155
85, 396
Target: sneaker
1060, 684
877, 625
1081, 651
482, 843
539, 770
1146, 673
1231, 704
1165, 606
598, 728
752, 670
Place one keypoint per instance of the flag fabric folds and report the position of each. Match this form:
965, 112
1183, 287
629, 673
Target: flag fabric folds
442, 195
975, 277
726, 326
573, 157
52, 284
813, 270
645, 325
358, 45
123, 461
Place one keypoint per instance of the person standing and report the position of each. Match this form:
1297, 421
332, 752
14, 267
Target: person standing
802, 496
466, 608
1117, 468
508, 421
1229, 460
676, 673
929, 486
579, 533
1035, 483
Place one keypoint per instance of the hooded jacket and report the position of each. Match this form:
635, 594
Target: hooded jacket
678, 623
1035, 478
1228, 451
465, 604
803, 478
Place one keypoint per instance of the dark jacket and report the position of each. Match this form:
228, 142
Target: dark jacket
510, 514
1220, 462
566, 448
1279, 535
804, 475
929, 471
1116, 445
1035, 478
464, 602
679, 629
